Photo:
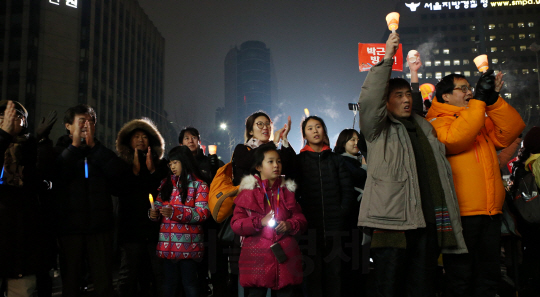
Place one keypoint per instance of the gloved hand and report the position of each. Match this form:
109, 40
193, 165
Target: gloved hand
485, 87
44, 128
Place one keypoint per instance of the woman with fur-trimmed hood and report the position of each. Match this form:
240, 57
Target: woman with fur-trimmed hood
140, 146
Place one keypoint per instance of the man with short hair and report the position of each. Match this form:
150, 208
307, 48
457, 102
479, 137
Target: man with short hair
409, 196
209, 165
86, 172
473, 128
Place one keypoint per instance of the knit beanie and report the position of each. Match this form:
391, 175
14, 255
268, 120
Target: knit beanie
532, 140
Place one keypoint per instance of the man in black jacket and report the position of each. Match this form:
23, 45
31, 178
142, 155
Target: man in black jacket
22, 216
207, 164
85, 175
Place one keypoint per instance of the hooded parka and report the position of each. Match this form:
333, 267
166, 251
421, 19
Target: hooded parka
134, 189
472, 135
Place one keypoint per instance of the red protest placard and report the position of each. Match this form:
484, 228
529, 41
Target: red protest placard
369, 54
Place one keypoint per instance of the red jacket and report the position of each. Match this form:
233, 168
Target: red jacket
182, 235
258, 265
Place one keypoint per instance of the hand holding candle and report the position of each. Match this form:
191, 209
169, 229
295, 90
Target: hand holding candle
151, 201
482, 63
392, 19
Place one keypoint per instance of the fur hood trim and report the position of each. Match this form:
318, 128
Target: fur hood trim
123, 147
249, 182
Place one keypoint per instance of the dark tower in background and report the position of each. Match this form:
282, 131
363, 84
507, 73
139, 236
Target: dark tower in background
55, 54
248, 85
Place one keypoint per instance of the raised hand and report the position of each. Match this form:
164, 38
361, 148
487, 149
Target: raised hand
150, 161
45, 125
392, 45
10, 119
136, 163
90, 131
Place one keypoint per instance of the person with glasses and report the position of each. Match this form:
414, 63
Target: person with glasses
27, 241
473, 124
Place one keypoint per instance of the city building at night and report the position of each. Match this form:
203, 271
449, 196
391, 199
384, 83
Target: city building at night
55, 54
449, 35
249, 86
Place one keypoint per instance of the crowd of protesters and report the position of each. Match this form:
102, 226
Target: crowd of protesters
410, 187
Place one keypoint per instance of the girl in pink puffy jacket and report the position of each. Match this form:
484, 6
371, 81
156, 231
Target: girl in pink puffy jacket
268, 216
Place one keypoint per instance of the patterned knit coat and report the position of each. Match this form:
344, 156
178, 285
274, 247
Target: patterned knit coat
258, 265
181, 236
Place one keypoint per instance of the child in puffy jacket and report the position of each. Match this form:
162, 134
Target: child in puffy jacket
268, 216
182, 206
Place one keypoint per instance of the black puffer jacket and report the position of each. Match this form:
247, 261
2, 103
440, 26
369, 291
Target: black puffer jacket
325, 190
206, 166
84, 205
23, 218
133, 192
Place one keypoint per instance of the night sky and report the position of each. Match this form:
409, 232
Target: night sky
313, 46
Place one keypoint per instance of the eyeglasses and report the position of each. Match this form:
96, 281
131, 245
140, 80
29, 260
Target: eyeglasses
173, 162
261, 125
18, 116
464, 89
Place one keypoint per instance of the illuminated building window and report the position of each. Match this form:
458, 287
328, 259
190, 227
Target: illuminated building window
456, 62
521, 25
491, 26
467, 73
408, 75
436, 51
457, 72
492, 37
447, 73
429, 75
472, 27
522, 48
501, 37
496, 72
473, 38
531, 24
428, 63
438, 75
510, 25
494, 61
437, 63
493, 49
501, 49
513, 48
511, 36
474, 50
525, 71
532, 35
465, 62
446, 62
535, 70
508, 95
419, 75
446, 51
521, 36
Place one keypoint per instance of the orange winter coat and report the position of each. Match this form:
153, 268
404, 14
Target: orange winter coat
472, 135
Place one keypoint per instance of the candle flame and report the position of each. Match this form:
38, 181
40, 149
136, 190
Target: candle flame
306, 111
150, 198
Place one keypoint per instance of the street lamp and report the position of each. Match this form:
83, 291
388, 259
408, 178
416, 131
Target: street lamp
232, 140
223, 126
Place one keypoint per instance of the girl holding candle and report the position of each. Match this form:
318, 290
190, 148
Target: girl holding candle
182, 207
268, 215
